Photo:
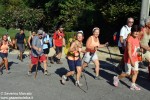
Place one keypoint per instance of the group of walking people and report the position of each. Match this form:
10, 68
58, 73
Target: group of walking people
133, 42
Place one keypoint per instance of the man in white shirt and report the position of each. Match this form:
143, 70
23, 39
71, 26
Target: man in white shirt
124, 32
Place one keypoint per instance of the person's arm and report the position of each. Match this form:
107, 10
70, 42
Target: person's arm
54, 37
129, 46
122, 32
64, 42
102, 45
145, 47
10, 43
25, 41
16, 40
29, 39
88, 42
72, 47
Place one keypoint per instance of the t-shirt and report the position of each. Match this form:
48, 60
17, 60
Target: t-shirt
20, 38
135, 46
125, 30
38, 43
46, 38
58, 37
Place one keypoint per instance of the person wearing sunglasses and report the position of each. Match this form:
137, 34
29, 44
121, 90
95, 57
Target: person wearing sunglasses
37, 53
124, 32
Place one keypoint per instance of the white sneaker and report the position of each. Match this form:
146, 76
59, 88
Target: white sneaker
78, 84
116, 81
63, 79
134, 87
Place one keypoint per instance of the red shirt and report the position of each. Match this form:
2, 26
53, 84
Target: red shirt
58, 37
135, 45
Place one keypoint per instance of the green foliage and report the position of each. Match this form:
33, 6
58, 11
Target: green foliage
109, 15
12, 32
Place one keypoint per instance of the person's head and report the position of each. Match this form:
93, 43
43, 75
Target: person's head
79, 36
4, 37
130, 22
96, 32
135, 31
60, 28
33, 33
147, 22
21, 31
40, 34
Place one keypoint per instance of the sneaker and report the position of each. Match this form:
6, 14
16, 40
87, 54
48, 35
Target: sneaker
29, 73
78, 84
116, 81
51, 60
8, 72
59, 62
46, 73
134, 87
63, 79
98, 78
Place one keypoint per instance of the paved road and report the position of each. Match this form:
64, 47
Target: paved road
18, 84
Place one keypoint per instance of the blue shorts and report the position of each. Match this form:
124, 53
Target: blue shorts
73, 64
3, 55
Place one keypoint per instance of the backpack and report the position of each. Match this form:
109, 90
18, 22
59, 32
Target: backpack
116, 35
71, 40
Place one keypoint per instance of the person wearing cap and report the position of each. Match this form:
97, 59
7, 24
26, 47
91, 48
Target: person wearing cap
37, 54
58, 43
74, 60
20, 40
145, 43
92, 44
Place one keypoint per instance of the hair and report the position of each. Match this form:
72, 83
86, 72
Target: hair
79, 32
3, 36
130, 18
95, 28
21, 29
135, 28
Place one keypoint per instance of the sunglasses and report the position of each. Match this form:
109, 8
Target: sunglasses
40, 34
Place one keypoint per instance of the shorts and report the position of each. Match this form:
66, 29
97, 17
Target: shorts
46, 51
58, 50
128, 67
34, 60
146, 56
90, 57
21, 47
121, 50
3, 55
73, 64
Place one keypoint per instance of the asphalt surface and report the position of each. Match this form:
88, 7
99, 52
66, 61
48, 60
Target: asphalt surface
19, 86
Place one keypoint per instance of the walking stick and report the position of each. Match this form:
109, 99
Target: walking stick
36, 68
111, 58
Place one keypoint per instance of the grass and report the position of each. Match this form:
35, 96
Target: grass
12, 32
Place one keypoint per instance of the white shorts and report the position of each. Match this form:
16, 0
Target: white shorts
87, 57
128, 67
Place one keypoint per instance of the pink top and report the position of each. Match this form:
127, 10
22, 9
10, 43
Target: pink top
93, 44
135, 45
4, 47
